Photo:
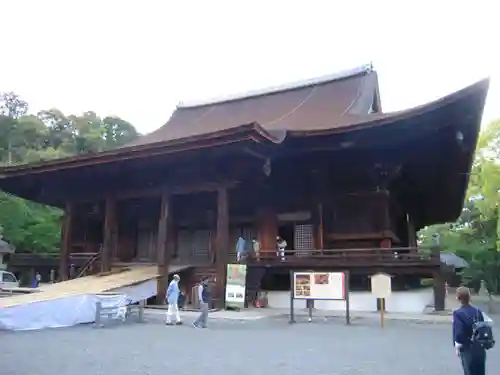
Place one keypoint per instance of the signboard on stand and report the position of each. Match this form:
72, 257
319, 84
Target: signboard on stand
381, 285
381, 288
322, 285
236, 285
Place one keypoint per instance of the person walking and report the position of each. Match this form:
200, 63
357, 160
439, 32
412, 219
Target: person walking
36, 280
173, 293
471, 335
204, 298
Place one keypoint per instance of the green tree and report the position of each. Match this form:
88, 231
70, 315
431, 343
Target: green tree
48, 135
29, 226
118, 132
11, 108
476, 234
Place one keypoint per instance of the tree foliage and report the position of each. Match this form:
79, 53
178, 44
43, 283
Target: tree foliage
50, 134
476, 235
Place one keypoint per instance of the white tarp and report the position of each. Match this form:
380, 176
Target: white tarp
138, 292
70, 311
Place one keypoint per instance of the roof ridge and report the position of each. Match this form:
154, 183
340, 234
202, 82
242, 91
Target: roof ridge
366, 68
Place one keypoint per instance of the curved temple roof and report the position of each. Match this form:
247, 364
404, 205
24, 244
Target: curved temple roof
303, 113
334, 104
307, 105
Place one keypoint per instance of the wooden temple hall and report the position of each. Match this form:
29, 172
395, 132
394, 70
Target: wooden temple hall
316, 162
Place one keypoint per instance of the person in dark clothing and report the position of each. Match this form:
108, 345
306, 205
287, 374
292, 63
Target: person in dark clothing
182, 299
204, 298
473, 356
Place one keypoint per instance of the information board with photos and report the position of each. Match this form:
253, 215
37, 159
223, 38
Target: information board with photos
319, 285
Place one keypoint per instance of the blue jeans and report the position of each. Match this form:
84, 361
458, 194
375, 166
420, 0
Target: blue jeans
473, 361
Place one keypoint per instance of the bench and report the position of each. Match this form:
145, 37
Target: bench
136, 309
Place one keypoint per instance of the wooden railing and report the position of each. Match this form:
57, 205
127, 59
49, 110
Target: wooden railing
91, 259
38, 260
82, 255
374, 255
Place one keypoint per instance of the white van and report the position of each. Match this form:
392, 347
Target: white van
8, 280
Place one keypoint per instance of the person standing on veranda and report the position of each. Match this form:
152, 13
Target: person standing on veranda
281, 246
173, 293
204, 298
240, 249
256, 249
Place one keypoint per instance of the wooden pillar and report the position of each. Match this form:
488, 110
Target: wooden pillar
412, 234
171, 241
439, 291
267, 223
110, 234
162, 250
318, 230
318, 194
212, 244
66, 234
386, 242
120, 244
222, 249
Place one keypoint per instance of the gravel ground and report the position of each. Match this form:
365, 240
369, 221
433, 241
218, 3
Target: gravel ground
268, 346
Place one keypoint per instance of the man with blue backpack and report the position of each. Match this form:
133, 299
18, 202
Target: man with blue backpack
472, 336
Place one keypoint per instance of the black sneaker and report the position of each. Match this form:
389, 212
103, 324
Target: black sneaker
169, 323
178, 323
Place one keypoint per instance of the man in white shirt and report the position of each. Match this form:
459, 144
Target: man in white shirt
173, 293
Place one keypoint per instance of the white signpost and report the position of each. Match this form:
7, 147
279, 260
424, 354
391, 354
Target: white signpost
381, 288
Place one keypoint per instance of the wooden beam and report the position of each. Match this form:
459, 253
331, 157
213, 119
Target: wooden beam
320, 229
222, 249
157, 191
162, 250
66, 231
109, 234
217, 139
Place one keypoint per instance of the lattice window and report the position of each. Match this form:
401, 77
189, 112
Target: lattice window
303, 238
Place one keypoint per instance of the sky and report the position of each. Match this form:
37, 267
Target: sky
138, 60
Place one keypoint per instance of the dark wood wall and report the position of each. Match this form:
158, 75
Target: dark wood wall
351, 203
